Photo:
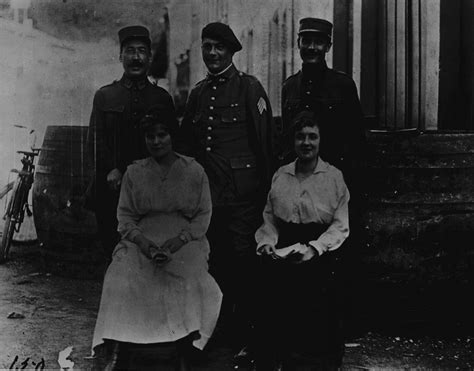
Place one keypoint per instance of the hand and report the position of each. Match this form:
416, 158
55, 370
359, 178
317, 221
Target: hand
160, 255
300, 257
146, 246
173, 244
114, 179
268, 250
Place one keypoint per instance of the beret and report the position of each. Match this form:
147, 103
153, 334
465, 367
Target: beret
134, 32
223, 33
315, 25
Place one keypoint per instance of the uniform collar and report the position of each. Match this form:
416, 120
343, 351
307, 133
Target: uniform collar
129, 83
313, 70
224, 75
321, 167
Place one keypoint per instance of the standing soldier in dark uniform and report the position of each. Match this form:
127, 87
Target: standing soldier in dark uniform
114, 140
227, 126
332, 96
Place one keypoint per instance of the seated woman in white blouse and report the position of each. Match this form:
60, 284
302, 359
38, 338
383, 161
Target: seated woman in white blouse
157, 290
305, 221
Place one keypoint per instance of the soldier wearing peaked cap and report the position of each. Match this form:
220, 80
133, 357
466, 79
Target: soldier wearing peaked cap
227, 126
332, 96
114, 139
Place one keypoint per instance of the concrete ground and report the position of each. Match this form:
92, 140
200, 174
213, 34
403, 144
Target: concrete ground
42, 314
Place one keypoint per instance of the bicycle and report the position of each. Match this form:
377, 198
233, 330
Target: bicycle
18, 203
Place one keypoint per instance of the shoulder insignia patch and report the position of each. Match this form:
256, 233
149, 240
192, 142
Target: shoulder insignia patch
261, 105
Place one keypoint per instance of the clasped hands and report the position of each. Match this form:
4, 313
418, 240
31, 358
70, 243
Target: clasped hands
295, 257
159, 254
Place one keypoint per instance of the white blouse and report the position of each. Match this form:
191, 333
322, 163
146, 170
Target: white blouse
321, 198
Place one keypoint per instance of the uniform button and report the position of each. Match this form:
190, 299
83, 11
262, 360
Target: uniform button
248, 165
208, 149
236, 104
234, 119
211, 118
214, 87
211, 107
209, 138
307, 106
213, 98
310, 81
308, 92
232, 104
330, 107
209, 128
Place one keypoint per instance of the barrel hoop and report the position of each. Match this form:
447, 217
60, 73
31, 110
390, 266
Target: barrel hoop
53, 170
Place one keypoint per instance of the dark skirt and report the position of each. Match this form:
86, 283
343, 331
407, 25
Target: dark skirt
300, 306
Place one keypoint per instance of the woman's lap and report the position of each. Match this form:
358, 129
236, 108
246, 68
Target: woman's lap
145, 303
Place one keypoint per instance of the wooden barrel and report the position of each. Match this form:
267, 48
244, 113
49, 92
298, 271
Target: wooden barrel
65, 228
420, 224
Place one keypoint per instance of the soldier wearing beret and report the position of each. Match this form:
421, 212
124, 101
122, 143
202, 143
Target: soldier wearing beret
114, 139
332, 96
227, 126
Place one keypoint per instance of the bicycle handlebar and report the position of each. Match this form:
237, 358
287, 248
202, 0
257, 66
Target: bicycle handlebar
28, 153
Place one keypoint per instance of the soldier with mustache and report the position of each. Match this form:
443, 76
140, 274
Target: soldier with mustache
114, 139
331, 94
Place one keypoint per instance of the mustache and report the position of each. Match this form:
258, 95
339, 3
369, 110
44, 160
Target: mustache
312, 53
135, 64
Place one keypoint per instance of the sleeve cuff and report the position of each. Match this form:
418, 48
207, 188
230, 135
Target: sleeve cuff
314, 244
131, 233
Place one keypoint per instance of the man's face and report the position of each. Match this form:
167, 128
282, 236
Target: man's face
135, 57
313, 47
216, 55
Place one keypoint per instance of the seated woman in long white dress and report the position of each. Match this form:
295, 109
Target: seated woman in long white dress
305, 223
157, 288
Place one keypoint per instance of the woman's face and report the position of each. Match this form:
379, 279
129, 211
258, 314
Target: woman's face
158, 141
307, 143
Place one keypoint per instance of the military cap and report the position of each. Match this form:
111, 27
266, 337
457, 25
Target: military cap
223, 33
134, 32
315, 25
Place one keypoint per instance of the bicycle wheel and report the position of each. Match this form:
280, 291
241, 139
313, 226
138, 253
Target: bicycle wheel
7, 236
13, 213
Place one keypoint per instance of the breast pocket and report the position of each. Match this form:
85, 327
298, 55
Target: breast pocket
233, 114
113, 117
292, 106
245, 175
329, 106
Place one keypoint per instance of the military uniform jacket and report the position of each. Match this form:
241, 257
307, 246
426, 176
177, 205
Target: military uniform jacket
227, 127
114, 138
332, 95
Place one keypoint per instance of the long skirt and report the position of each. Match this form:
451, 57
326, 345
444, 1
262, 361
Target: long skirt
300, 310
146, 303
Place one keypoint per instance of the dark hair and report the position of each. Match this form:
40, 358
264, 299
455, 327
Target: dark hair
160, 115
304, 119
